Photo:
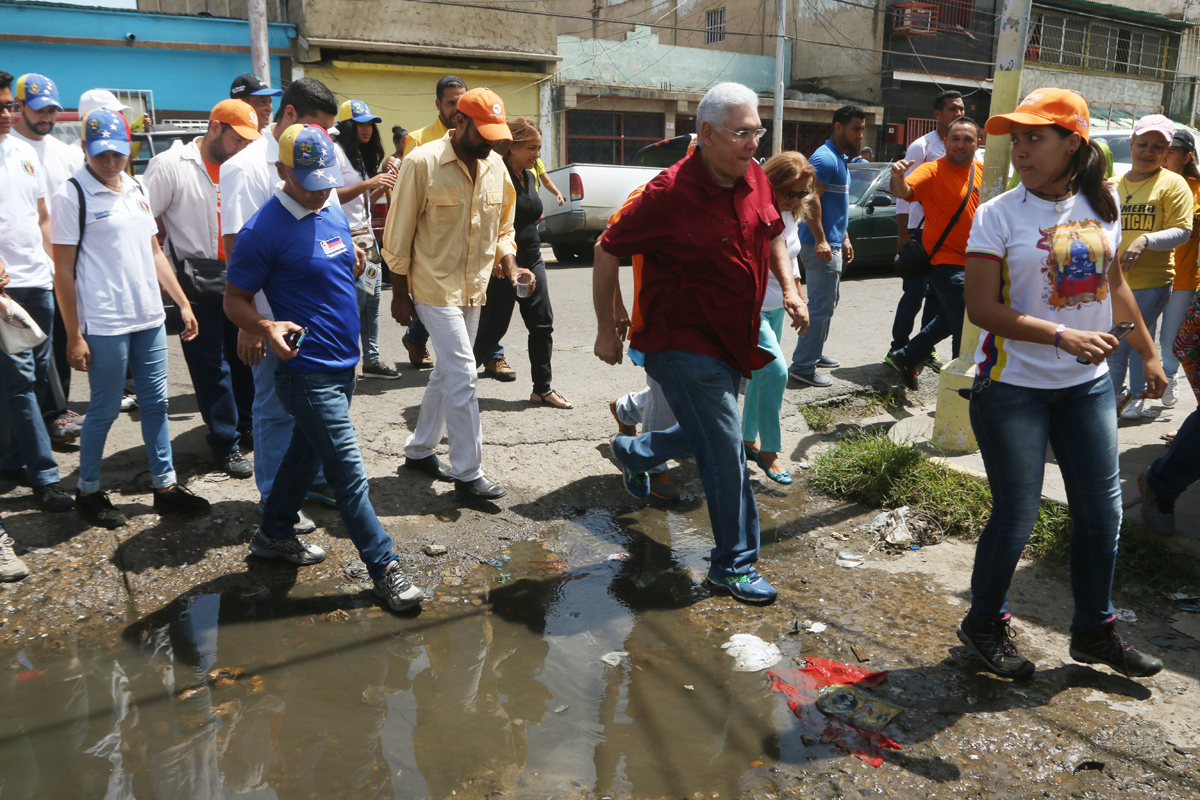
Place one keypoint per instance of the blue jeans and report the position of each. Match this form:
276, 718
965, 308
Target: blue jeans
144, 353
1172, 318
1012, 425
1171, 474
946, 281
368, 311
25, 377
914, 294
824, 289
764, 392
417, 333
272, 426
702, 391
224, 385
1151, 303
323, 437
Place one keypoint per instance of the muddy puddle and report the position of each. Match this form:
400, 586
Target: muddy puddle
586, 665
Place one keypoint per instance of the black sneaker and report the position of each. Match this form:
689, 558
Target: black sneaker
908, 375
96, 509
1104, 645
397, 589
235, 464
992, 642
178, 500
51, 497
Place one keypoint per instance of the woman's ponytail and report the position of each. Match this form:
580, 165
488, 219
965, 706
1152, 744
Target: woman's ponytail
1088, 169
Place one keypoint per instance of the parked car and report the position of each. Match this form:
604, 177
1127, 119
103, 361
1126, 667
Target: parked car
1118, 141
872, 222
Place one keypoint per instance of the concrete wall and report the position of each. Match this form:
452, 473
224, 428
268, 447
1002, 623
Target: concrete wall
641, 60
1098, 89
742, 17
834, 67
233, 9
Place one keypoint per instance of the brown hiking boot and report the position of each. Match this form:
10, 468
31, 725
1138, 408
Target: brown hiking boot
499, 369
622, 428
418, 354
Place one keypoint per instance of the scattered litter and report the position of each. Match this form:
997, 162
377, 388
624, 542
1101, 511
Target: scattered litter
915, 547
862, 659
857, 708
689, 687
895, 526
216, 477
617, 557
1085, 766
561, 709
434, 550
817, 627
1192, 607
804, 464
750, 653
337, 616
839, 536
356, 571
902, 527
614, 658
1185, 596
849, 560
1172, 641
1126, 615
224, 676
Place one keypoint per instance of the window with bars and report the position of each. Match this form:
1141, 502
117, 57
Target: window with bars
1095, 45
714, 26
955, 14
610, 137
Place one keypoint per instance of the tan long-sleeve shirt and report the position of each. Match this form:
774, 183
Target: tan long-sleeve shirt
446, 232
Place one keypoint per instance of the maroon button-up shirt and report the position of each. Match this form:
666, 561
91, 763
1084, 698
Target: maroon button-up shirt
706, 253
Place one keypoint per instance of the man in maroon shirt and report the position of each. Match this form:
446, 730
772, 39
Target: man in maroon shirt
708, 231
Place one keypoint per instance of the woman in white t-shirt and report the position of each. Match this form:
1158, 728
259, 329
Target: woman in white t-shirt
107, 278
791, 176
1044, 285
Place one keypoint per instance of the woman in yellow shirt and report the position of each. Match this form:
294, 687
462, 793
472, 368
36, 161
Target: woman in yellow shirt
1181, 159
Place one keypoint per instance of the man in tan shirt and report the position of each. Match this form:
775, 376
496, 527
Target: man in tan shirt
449, 228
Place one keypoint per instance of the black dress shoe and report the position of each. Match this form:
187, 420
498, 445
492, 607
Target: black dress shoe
431, 465
480, 487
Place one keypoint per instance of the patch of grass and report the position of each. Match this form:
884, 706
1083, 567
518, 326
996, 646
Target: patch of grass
872, 469
877, 403
818, 418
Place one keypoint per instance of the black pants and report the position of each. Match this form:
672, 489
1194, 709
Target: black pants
535, 311
224, 384
58, 387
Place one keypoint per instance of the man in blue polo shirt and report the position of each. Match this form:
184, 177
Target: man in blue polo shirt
297, 251
824, 245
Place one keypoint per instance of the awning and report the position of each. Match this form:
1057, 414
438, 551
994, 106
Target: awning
942, 78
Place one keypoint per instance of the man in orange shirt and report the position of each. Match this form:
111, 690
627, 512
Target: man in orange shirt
940, 187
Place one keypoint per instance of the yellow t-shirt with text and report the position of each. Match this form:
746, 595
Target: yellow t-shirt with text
1160, 202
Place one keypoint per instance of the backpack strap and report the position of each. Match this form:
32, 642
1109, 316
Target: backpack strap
82, 216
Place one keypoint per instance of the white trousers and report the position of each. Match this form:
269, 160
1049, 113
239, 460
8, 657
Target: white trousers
450, 405
648, 408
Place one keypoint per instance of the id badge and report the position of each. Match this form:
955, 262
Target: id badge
370, 278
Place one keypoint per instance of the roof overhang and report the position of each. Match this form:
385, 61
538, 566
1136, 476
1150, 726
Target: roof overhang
949, 80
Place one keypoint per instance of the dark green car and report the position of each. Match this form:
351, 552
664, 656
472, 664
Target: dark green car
872, 221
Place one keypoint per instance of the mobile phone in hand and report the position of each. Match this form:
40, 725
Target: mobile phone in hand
1120, 330
295, 338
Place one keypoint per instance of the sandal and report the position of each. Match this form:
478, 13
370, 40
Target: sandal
784, 477
543, 398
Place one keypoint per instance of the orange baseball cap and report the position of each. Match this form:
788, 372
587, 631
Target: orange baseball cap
238, 115
487, 110
1047, 106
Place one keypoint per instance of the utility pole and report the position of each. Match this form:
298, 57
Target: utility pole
952, 423
780, 80
260, 58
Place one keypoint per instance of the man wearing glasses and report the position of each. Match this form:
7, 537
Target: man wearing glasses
708, 231
824, 244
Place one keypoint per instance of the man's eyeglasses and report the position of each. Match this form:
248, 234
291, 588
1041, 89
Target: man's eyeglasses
797, 195
745, 133
14, 107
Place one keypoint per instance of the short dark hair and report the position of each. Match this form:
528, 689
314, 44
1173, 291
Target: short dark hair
399, 132
6, 80
847, 113
449, 82
940, 101
962, 121
307, 96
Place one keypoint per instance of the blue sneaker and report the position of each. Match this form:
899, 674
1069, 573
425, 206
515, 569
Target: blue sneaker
636, 483
750, 588
322, 493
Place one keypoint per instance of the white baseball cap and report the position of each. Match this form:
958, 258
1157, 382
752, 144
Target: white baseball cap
102, 98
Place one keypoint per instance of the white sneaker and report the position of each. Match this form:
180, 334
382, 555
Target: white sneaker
1134, 409
1170, 396
11, 567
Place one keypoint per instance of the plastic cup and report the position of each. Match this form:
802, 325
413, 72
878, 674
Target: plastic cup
523, 283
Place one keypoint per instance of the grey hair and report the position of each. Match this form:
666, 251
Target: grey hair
721, 99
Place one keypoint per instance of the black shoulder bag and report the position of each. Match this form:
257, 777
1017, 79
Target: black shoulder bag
912, 263
202, 279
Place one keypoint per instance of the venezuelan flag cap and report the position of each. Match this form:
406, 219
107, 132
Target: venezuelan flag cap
37, 91
308, 151
105, 130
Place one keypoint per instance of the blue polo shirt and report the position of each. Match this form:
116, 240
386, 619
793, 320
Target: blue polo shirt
303, 261
830, 164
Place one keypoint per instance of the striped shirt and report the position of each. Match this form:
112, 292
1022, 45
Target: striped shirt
830, 163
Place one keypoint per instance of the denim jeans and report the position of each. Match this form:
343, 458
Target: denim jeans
764, 392
368, 312
1172, 318
1151, 303
1012, 425
272, 426
914, 294
417, 333
224, 384
144, 353
1173, 473
702, 391
824, 289
25, 377
947, 282
323, 437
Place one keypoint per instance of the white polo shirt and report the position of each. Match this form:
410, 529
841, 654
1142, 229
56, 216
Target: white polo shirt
356, 210
924, 149
59, 159
184, 196
116, 285
22, 251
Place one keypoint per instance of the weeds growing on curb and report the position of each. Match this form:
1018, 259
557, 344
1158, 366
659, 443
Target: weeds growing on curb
872, 469
818, 418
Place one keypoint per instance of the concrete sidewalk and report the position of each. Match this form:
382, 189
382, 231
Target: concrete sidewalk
1140, 445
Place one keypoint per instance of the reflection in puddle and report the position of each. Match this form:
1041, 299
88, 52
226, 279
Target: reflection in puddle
560, 673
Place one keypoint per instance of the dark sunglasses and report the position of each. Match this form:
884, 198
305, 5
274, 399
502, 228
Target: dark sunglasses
796, 195
13, 107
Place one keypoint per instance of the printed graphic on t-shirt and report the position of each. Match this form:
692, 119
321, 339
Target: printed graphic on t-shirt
1138, 217
144, 206
333, 247
1076, 263
28, 167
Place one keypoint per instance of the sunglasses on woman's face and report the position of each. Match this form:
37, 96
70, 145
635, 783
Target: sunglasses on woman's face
796, 195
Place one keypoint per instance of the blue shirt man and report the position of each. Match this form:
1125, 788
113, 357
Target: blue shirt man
297, 250
824, 245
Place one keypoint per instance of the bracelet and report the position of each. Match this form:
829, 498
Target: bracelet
1058, 332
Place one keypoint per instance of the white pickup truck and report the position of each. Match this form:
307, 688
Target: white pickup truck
593, 192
